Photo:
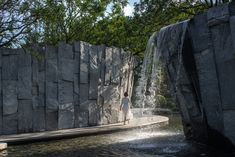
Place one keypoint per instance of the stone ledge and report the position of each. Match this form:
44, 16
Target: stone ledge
3, 146
86, 131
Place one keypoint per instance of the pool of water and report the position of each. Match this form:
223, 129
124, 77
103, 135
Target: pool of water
165, 141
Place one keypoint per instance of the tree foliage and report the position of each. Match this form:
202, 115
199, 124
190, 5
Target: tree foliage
24, 22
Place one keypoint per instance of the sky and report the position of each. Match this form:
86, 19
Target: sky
128, 10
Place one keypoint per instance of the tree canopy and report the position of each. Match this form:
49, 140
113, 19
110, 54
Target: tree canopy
23, 22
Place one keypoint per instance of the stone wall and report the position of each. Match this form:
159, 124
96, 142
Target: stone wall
63, 86
199, 58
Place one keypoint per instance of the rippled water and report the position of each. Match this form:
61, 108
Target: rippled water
166, 141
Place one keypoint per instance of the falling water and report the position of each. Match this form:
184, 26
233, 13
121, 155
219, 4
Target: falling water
150, 77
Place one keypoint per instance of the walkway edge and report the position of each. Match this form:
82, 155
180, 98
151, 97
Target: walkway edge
86, 131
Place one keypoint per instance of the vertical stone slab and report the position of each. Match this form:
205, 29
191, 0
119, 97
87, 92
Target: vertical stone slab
108, 65
229, 125
101, 63
66, 69
39, 120
9, 67
76, 90
10, 102
51, 120
52, 96
51, 64
232, 28
65, 93
65, 51
116, 62
66, 116
84, 61
25, 116
94, 73
1, 115
24, 83
10, 124
93, 113
83, 118
84, 95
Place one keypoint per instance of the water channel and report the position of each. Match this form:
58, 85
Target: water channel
156, 141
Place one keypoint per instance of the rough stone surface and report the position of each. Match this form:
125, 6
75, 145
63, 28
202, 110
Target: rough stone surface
25, 116
9, 94
63, 86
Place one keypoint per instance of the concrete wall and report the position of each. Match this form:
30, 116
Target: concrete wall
63, 86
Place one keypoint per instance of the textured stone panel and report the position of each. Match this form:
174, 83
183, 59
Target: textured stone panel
39, 121
25, 116
10, 103
66, 69
66, 116
199, 32
116, 62
24, 59
84, 95
94, 73
51, 70
101, 63
77, 47
51, 96
24, 83
9, 67
83, 118
93, 113
1, 115
232, 28
229, 125
76, 116
51, 120
218, 15
65, 51
10, 124
76, 63
108, 65
76, 90
65, 92
84, 61
50, 52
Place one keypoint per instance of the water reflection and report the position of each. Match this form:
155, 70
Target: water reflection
167, 141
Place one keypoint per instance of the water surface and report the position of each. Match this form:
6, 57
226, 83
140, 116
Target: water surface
165, 141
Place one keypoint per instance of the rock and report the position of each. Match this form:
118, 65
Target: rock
66, 69
1, 115
9, 67
24, 83
66, 116
51, 120
218, 15
25, 116
84, 61
65, 51
10, 124
24, 59
93, 113
51, 70
77, 47
116, 62
83, 118
51, 96
39, 120
94, 75
3, 146
84, 95
76, 63
229, 126
65, 92
232, 28
10, 103
108, 65
50, 52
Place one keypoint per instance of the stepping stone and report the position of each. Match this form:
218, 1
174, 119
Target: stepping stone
3, 146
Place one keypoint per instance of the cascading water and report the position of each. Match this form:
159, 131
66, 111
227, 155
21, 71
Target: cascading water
147, 84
